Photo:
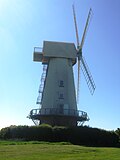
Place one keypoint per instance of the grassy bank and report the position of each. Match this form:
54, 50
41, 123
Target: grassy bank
13, 150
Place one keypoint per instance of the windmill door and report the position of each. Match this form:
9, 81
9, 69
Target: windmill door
61, 108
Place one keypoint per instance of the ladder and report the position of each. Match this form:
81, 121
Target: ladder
42, 83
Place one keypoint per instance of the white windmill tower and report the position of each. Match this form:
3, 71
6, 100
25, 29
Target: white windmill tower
57, 97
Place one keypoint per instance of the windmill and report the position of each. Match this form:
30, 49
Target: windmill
57, 97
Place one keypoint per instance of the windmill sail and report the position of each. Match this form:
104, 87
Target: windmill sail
76, 29
87, 75
77, 38
86, 28
81, 61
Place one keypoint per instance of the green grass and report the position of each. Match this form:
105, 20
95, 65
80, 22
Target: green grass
16, 150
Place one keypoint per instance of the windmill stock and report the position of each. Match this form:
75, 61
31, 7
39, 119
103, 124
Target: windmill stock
57, 97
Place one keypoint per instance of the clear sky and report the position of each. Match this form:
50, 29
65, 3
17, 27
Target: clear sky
25, 24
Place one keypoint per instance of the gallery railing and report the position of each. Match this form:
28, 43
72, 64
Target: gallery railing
57, 111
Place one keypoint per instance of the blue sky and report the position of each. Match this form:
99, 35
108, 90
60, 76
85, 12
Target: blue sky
25, 24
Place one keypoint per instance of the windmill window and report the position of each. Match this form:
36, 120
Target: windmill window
61, 83
61, 96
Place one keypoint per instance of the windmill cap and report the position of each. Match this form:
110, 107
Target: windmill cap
59, 49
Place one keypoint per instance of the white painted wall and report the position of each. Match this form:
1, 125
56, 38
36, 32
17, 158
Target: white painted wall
59, 69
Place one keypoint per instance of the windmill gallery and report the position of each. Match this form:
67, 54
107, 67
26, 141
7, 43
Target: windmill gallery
57, 98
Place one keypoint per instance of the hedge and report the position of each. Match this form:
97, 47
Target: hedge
80, 135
